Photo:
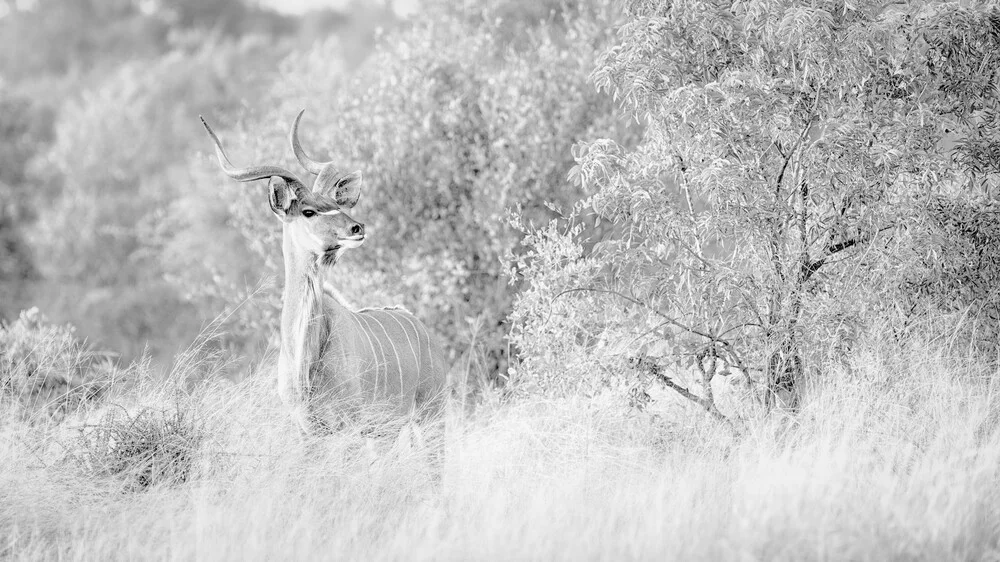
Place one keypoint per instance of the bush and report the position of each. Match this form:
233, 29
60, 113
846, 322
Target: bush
124, 214
45, 368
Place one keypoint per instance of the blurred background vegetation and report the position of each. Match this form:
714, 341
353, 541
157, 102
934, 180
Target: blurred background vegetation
115, 219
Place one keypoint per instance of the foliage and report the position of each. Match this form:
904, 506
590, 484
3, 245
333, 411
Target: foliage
957, 267
512, 22
45, 368
232, 17
787, 148
24, 131
82, 37
100, 34
17, 268
552, 323
126, 212
450, 130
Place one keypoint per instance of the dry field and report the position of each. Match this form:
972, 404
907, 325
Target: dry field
895, 458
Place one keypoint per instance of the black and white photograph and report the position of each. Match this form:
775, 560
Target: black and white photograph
500, 280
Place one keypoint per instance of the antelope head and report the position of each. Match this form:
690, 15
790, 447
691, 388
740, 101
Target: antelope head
314, 219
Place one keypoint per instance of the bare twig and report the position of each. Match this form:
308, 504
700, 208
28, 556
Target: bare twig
668, 319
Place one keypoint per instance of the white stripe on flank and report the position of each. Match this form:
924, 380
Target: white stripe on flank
416, 334
421, 329
364, 331
399, 364
357, 322
379, 357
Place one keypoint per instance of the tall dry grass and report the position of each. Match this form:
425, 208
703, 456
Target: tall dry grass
896, 457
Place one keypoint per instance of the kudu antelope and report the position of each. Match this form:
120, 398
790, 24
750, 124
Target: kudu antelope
328, 350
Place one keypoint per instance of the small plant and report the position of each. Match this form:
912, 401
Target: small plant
145, 448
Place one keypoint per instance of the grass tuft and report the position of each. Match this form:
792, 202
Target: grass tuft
142, 449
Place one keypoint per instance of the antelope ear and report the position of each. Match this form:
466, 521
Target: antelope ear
345, 191
280, 196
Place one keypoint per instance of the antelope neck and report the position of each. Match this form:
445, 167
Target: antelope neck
304, 327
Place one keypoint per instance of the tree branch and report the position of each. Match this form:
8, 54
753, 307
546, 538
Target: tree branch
667, 319
798, 143
833, 249
653, 369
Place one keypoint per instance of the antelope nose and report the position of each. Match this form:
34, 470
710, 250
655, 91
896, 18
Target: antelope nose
358, 230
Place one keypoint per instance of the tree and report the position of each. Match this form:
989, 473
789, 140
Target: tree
789, 148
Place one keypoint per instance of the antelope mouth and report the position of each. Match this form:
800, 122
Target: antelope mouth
351, 242
332, 254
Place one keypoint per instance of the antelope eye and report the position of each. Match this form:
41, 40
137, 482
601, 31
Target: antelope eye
308, 213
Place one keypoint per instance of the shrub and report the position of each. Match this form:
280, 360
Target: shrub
124, 214
45, 368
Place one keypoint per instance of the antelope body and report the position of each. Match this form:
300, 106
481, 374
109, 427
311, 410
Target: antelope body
328, 351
